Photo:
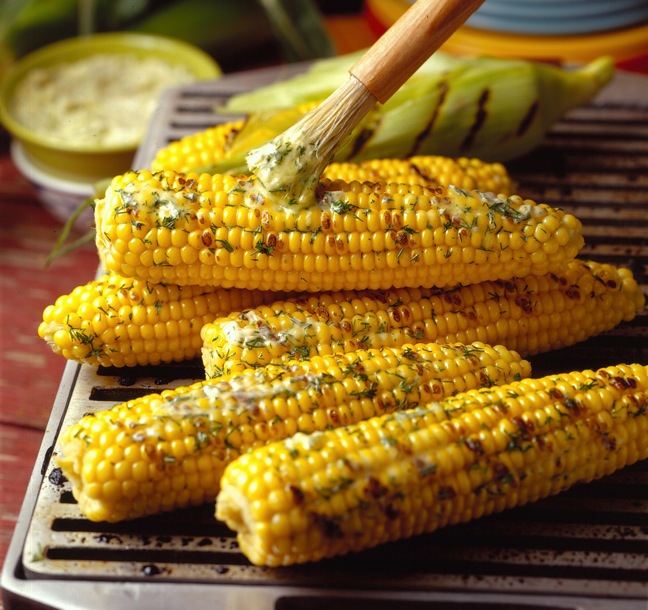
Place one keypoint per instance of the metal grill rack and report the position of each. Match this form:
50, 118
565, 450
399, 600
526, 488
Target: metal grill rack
586, 548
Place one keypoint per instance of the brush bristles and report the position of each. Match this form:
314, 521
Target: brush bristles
288, 167
330, 123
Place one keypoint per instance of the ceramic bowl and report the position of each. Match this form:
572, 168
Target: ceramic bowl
93, 161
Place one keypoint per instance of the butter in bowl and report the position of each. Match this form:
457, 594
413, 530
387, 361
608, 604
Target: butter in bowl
78, 109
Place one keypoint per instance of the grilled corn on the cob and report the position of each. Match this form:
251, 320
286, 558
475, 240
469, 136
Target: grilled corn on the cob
197, 151
168, 450
530, 315
113, 321
430, 171
402, 474
204, 150
212, 230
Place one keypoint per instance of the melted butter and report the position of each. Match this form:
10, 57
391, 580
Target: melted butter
287, 174
255, 333
164, 205
288, 168
167, 205
240, 394
256, 197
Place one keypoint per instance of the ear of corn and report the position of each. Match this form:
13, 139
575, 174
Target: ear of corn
207, 151
221, 149
197, 151
430, 171
395, 476
112, 321
490, 108
530, 315
318, 81
168, 450
213, 230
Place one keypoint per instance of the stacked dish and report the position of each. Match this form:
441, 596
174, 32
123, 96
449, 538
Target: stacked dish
555, 17
577, 31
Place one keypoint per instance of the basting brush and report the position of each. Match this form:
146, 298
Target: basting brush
288, 168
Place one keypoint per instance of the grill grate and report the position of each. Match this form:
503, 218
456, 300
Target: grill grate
578, 549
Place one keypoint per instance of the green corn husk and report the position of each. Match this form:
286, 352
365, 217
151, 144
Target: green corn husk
318, 81
488, 108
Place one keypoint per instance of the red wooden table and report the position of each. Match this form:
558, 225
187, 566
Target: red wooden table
29, 371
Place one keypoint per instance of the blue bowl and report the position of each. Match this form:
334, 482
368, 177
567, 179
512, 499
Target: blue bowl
558, 17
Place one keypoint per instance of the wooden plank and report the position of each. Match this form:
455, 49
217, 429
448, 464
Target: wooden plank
18, 450
29, 371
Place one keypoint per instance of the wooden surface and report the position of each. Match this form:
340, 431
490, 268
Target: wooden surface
29, 371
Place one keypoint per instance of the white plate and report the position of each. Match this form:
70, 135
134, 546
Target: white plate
60, 196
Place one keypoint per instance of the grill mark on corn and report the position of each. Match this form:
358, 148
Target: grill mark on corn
330, 527
475, 446
297, 495
361, 140
527, 119
481, 115
446, 492
422, 135
375, 489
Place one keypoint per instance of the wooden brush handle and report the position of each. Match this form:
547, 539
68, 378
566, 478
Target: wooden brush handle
401, 50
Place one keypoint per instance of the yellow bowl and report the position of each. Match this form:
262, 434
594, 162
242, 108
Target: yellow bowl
94, 162
626, 45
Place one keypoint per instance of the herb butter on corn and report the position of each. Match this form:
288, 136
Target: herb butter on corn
530, 315
165, 451
213, 230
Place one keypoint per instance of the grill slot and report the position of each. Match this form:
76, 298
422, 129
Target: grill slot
588, 544
342, 603
607, 548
